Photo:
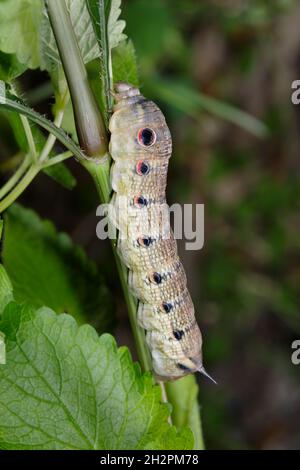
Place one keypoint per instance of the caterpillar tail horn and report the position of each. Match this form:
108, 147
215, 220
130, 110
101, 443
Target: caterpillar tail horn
203, 372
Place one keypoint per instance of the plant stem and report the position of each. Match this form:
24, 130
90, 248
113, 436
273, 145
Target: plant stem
13, 180
57, 159
19, 188
89, 123
183, 394
57, 121
29, 137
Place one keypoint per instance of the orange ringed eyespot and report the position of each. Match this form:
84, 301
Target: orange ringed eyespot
142, 168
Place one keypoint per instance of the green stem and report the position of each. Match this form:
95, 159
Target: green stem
89, 123
15, 177
57, 121
19, 188
27, 130
29, 137
58, 159
183, 394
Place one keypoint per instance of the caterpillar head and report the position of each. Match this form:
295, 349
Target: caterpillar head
138, 127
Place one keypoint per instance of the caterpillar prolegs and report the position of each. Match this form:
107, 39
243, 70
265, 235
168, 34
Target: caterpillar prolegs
141, 146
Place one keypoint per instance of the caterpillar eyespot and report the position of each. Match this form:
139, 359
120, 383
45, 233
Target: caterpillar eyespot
144, 241
167, 307
142, 168
178, 334
156, 275
146, 137
140, 201
156, 278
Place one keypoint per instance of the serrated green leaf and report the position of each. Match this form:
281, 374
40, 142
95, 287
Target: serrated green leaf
115, 25
6, 289
19, 30
25, 31
125, 63
109, 32
61, 174
10, 67
63, 387
6, 296
172, 440
46, 268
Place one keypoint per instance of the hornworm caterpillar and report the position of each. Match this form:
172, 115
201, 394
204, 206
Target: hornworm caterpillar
141, 146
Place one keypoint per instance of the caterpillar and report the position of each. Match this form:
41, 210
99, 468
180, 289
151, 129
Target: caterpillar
140, 146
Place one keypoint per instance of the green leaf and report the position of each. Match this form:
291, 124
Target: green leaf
125, 64
25, 31
191, 102
183, 395
172, 440
46, 268
63, 387
61, 174
12, 103
6, 296
83, 31
6, 289
10, 67
115, 25
109, 32
19, 30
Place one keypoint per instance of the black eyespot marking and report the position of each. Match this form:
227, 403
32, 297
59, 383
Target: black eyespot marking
146, 137
167, 307
142, 168
183, 367
145, 241
156, 278
178, 334
140, 201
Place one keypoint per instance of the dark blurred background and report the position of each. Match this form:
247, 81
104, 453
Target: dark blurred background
245, 281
